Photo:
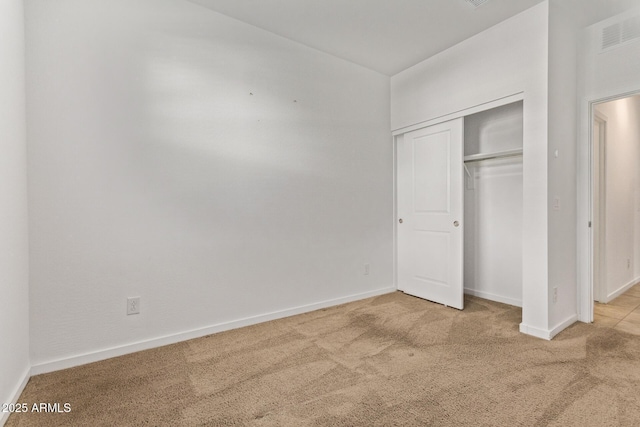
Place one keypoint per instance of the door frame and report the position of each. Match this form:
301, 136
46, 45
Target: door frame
585, 204
399, 133
599, 221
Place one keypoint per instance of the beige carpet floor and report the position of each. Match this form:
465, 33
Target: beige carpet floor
392, 360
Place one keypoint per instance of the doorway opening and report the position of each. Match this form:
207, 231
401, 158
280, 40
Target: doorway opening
615, 211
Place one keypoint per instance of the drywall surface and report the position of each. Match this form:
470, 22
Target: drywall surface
493, 206
601, 75
507, 59
562, 137
496, 63
622, 191
14, 273
216, 171
612, 71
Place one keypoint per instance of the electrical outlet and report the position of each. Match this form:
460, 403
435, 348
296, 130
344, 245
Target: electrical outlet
555, 295
366, 269
133, 305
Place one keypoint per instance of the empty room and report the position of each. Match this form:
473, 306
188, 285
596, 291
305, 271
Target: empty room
337, 213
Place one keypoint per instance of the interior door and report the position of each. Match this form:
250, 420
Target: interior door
430, 212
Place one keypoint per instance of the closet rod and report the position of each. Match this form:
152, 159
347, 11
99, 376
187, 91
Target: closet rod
496, 155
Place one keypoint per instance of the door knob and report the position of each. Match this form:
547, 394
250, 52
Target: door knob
456, 223
400, 220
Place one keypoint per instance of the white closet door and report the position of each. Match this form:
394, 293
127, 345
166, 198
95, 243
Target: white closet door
430, 203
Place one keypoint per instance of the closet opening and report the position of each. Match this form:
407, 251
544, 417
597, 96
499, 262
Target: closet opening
493, 204
459, 207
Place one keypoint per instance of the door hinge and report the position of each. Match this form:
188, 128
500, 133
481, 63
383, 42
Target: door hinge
589, 224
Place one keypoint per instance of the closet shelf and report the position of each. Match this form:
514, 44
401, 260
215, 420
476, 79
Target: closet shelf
495, 155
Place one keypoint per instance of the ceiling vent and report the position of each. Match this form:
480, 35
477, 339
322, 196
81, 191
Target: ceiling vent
620, 33
476, 3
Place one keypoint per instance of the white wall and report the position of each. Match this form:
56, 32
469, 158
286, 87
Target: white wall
14, 286
493, 206
215, 170
509, 58
612, 72
601, 75
562, 112
622, 189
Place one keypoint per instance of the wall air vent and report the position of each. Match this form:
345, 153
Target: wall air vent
611, 36
476, 3
620, 33
631, 29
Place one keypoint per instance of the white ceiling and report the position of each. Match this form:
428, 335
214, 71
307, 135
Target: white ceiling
384, 35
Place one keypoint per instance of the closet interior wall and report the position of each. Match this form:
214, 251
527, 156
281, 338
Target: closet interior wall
493, 205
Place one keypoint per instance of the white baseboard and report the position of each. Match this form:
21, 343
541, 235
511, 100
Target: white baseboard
493, 297
95, 356
548, 334
624, 288
564, 325
15, 395
535, 332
